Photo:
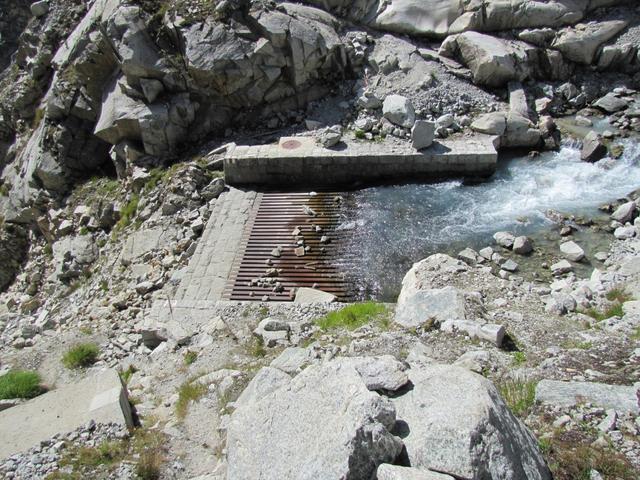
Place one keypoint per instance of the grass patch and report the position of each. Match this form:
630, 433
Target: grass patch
81, 355
189, 391
599, 315
149, 445
353, 316
577, 345
618, 295
190, 357
145, 450
519, 358
128, 212
569, 459
107, 453
519, 395
256, 348
20, 384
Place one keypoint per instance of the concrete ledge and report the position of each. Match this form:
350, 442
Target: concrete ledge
101, 398
299, 161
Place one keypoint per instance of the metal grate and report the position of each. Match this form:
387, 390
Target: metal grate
271, 264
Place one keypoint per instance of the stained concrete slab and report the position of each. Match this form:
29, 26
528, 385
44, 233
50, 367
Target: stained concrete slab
100, 397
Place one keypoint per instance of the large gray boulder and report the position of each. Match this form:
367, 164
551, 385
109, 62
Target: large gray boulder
494, 123
324, 424
417, 17
421, 300
72, 256
517, 14
457, 424
399, 110
580, 43
493, 61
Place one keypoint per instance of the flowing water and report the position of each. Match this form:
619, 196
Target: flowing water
395, 226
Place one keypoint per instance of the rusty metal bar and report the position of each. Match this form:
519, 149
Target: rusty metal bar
271, 265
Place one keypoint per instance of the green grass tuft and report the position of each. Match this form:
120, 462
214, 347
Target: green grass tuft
81, 355
618, 294
353, 316
188, 392
519, 358
190, 357
519, 395
599, 315
20, 384
128, 212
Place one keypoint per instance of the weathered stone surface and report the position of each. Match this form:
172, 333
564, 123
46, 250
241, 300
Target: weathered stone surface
561, 267
422, 134
266, 381
504, 239
458, 424
580, 43
490, 332
592, 148
399, 110
350, 424
494, 123
520, 132
611, 103
522, 245
417, 17
101, 397
493, 62
572, 251
623, 399
72, 255
625, 212
291, 360
440, 304
313, 295
39, 9
394, 472
623, 233
381, 373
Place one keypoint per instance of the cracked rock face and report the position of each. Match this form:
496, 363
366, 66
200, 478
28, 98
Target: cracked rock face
327, 423
324, 424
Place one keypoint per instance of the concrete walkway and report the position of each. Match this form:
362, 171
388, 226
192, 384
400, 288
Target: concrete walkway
299, 161
208, 270
100, 397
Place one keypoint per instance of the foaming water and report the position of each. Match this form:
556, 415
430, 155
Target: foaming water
399, 225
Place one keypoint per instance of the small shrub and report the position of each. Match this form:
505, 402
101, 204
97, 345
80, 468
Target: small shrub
188, 392
360, 134
352, 316
104, 286
20, 384
81, 355
128, 212
618, 295
519, 395
190, 357
84, 231
125, 375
